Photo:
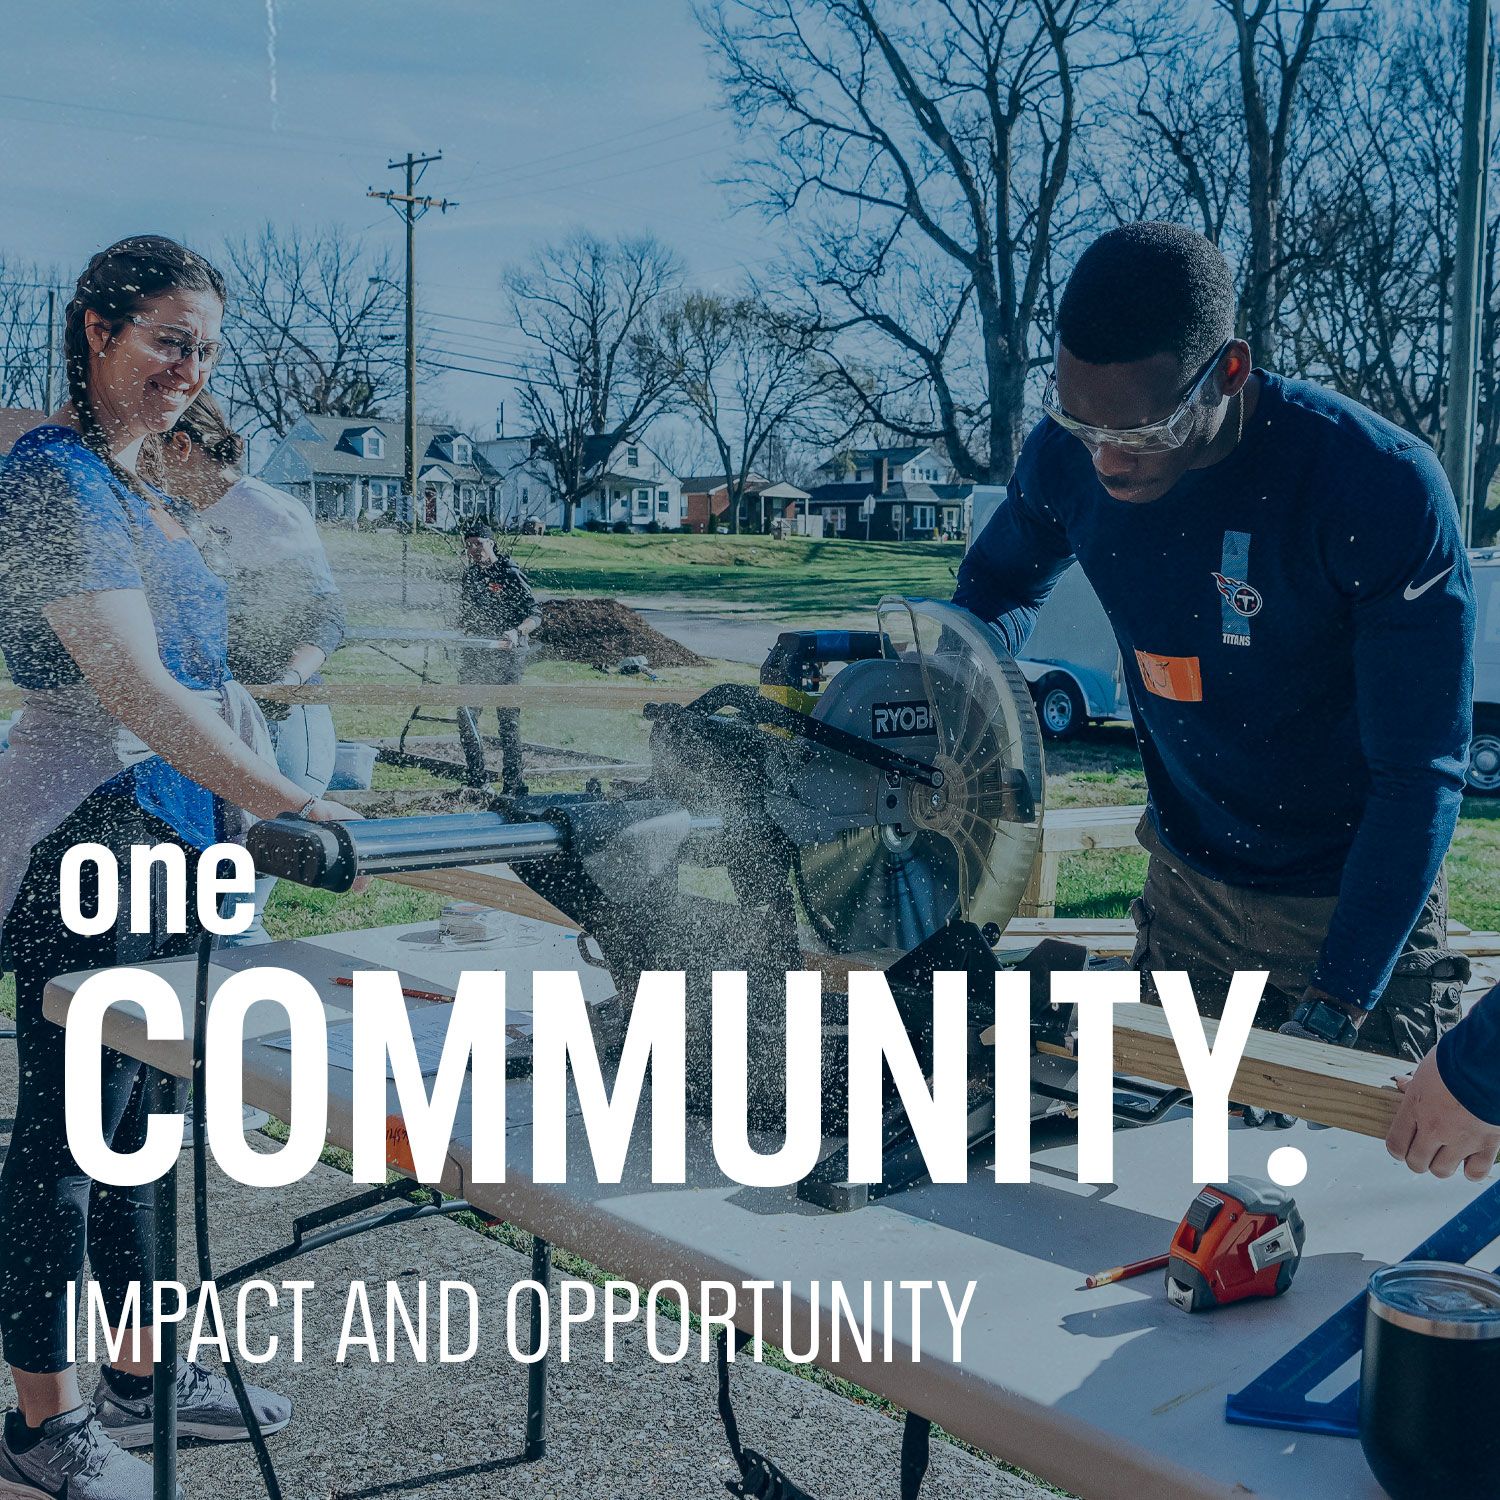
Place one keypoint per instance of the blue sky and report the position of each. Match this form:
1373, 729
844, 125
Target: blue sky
167, 115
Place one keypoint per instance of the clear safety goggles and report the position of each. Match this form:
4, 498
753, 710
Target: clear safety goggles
1152, 437
178, 345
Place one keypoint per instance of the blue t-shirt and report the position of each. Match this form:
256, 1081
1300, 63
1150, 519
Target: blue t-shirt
1296, 624
68, 525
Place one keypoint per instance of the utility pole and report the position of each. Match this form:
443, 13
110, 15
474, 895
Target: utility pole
1458, 437
411, 207
51, 343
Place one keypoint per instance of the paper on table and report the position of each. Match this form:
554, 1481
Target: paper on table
429, 1029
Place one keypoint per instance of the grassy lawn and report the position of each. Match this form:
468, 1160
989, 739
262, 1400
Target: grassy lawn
796, 576
1101, 768
613, 734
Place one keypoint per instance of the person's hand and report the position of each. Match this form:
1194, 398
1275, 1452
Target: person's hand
510, 639
324, 811
1433, 1132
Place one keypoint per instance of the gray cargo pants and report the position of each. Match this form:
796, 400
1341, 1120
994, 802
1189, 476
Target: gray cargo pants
500, 669
1186, 921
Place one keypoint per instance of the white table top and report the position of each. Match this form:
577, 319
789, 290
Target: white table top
1108, 1393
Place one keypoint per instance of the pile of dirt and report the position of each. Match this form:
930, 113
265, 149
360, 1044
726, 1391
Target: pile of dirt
602, 632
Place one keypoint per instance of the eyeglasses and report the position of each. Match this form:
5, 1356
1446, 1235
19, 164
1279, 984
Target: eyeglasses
1152, 437
177, 344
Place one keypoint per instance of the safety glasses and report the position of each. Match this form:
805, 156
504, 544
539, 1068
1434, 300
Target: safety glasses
1152, 437
178, 344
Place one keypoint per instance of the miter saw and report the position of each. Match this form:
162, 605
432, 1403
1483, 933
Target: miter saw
875, 803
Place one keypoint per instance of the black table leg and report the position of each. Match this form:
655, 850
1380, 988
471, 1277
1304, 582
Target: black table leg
536, 1387
164, 1377
916, 1441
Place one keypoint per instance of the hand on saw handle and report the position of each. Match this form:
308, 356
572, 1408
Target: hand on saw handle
321, 810
1433, 1132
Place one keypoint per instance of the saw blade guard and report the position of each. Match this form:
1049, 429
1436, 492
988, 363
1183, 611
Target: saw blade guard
892, 860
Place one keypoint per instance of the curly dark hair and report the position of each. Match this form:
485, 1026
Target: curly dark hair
1144, 289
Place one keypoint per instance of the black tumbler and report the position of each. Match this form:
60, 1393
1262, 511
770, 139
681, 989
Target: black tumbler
1429, 1385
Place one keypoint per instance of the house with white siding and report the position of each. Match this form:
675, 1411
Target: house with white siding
527, 485
345, 468
630, 482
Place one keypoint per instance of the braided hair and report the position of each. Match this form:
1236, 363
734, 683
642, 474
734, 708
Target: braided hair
206, 425
116, 284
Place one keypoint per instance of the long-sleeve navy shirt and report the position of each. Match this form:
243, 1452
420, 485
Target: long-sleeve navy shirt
1296, 624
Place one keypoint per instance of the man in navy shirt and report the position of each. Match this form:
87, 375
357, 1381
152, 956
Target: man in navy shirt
1284, 573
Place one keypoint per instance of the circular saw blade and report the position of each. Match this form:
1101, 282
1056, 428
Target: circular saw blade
910, 858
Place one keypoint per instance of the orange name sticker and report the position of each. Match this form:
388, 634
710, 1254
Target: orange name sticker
1174, 677
398, 1145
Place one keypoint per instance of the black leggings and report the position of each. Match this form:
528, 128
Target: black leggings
50, 1212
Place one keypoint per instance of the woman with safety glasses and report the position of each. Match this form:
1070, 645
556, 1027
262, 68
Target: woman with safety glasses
1274, 560
132, 733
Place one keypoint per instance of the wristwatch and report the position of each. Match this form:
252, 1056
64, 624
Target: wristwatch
1326, 1021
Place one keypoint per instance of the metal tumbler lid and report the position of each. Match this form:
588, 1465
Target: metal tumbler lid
1438, 1298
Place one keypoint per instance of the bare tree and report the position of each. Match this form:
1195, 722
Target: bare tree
23, 336
1369, 306
596, 371
679, 442
1230, 117
1273, 43
1369, 309
313, 325
1487, 428
1171, 151
751, 375
922, 154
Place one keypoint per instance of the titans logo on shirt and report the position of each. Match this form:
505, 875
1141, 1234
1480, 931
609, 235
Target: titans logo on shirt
1240, 600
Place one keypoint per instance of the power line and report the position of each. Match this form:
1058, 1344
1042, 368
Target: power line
316, 139
494, 173
568, 186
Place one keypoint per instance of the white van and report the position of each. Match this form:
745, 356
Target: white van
1484, 748
1071, 662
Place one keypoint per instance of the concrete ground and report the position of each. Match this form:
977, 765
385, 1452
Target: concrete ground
633, 1428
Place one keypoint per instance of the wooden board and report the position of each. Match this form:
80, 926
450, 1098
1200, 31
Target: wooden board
1073, 830
477, 695
1326, 1085
1114, 935
1068, 830
486, 890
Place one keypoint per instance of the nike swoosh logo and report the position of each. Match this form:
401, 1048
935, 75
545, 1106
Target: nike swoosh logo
1416, 593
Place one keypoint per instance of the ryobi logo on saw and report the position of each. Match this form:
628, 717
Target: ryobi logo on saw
890, 721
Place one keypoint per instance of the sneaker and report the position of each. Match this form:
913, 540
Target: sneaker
73, 1460
206, 1409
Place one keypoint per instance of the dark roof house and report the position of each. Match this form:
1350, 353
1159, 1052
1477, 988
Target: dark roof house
345, 467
